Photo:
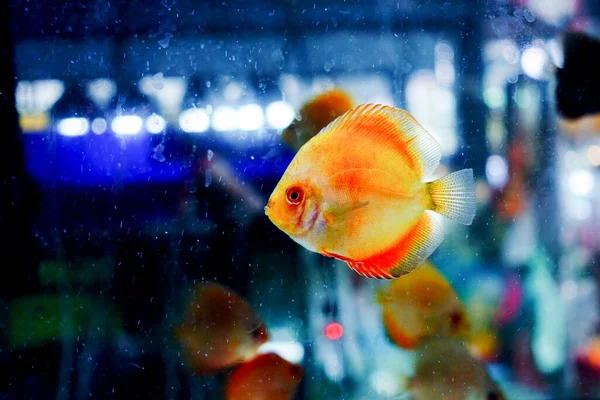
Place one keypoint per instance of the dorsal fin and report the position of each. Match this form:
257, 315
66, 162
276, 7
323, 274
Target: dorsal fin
421, 149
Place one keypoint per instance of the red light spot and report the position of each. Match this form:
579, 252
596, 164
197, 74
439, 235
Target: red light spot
334, 331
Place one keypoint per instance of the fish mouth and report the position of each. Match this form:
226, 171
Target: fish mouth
298, 227
267, 208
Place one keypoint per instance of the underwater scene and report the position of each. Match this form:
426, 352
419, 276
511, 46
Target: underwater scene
292, 200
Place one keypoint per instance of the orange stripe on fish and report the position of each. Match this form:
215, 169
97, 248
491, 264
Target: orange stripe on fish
399, 260
396, 127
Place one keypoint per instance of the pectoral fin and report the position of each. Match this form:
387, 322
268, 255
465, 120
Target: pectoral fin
333, 214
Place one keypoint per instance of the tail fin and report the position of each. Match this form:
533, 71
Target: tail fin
578, 85
453, 196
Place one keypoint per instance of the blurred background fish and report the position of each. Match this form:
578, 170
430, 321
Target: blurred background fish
420, 305
513, 197
266, 377
315, 115
446, 370
219, 330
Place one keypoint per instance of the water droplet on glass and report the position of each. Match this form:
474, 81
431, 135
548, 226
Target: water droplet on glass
164, 43
158, 81
529, 15
191, 185
158, 153
278, 58
328, 65
207, 178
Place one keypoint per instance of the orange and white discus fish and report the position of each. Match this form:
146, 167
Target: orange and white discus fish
359, 191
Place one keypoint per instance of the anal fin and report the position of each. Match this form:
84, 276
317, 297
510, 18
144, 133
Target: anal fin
406, 255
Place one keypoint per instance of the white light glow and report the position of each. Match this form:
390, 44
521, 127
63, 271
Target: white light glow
593, 154
581, 182
290, 351
233, 91
511, 52
534, 61
194, 120
569, 289
99, 126
556, 52
580, 209
46, 93
496, 171
434, 106
168, 91
553, 11
280, 115
73, 126
365, 88
127, 124
155, 123
225, 118
101, 91
498, 49
251, 117
293, 89
444, 73
385, 383
444, 51
494, 97
38, 97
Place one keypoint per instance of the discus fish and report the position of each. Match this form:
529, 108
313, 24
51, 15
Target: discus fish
359, 192
220, 330
420, 305
315, 115
446, 370
267, 377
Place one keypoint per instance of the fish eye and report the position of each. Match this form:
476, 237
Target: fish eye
493, 396
296, 370
294, 195
455, 318
258, 334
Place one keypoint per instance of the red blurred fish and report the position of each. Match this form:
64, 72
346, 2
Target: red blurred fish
267, 377
219, 330
513, 198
